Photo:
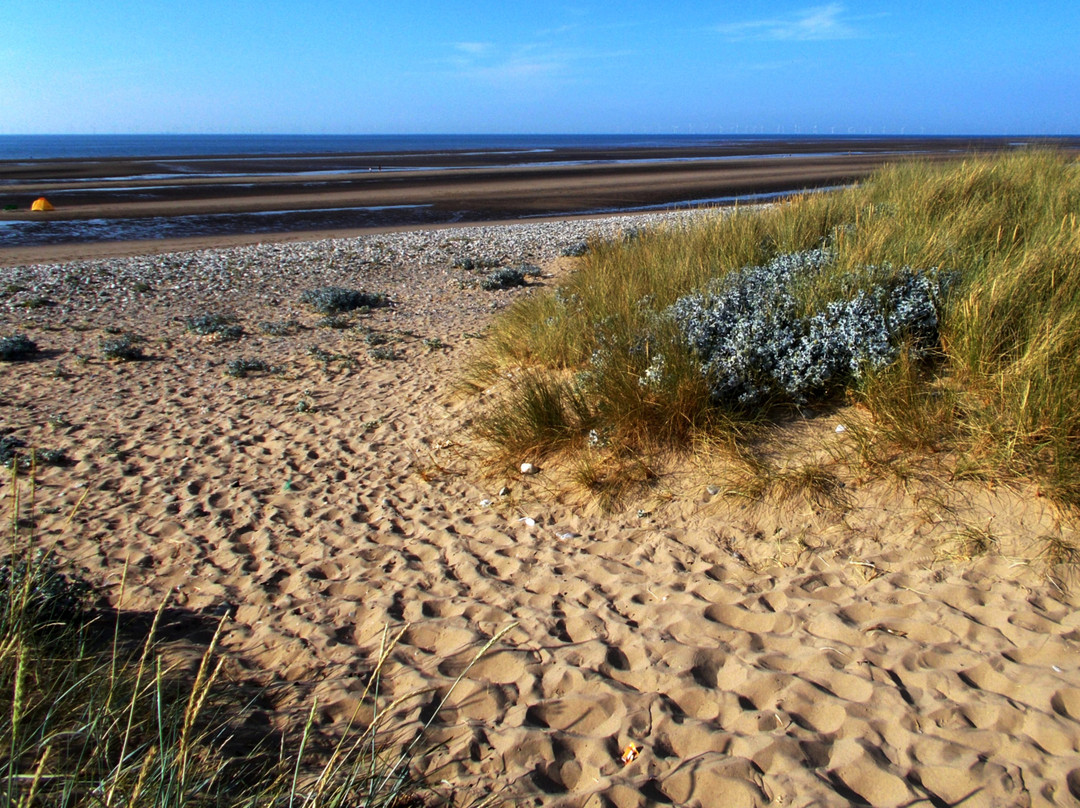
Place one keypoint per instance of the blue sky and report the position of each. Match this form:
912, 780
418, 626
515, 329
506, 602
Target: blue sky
501, 66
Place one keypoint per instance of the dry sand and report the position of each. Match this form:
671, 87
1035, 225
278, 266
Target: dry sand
789, 653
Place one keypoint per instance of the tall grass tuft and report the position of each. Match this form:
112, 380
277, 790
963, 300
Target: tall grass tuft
1000, 383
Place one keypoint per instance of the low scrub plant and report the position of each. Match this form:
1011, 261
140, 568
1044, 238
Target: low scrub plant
575, 249
338, 322
125, 348
758, 342
17, 347
385, 353
503, 278
14, 452
241, 368
279, 328
220, 326
337, 299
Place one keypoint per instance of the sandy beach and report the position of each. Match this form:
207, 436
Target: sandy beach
903, 643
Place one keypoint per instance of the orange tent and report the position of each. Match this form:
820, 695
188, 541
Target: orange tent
41, 203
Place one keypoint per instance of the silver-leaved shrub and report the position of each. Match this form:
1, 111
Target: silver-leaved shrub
756, 342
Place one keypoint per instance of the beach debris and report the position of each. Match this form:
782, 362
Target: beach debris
713, 490
840, 428
529, 468
528, 520
485, 503
41, 203
630, 753
893, 631
504, 491
567, 535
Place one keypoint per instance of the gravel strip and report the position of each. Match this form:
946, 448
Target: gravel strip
409, 266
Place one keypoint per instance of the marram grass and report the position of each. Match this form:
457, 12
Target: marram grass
999, 386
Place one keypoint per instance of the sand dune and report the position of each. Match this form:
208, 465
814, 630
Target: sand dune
787, 653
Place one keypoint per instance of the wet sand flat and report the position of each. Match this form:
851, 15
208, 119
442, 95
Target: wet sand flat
251, 199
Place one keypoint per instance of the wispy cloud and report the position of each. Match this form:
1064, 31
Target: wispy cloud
473, 48
812, 24
502, 63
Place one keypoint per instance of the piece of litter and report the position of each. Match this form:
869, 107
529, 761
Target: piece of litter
566, 535
484, 503
528, 468
713, 490
630, 753
841, 428
1057, 669
504, 491
528, 520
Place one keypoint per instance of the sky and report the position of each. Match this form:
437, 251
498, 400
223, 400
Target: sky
506, 66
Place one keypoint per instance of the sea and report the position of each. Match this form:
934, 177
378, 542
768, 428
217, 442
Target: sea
51, 147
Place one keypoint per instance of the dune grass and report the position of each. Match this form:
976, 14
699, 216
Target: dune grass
999, 386
98, 710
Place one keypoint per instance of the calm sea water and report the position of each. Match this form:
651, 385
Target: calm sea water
38, 147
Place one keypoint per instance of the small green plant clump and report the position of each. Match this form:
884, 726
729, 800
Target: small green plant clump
575, 250
504, 278
241, 368
126, 348
279, 328
14, 453
33, 589
337, 322
469, 264
384, 353
220, 326
17, 347
337, 299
